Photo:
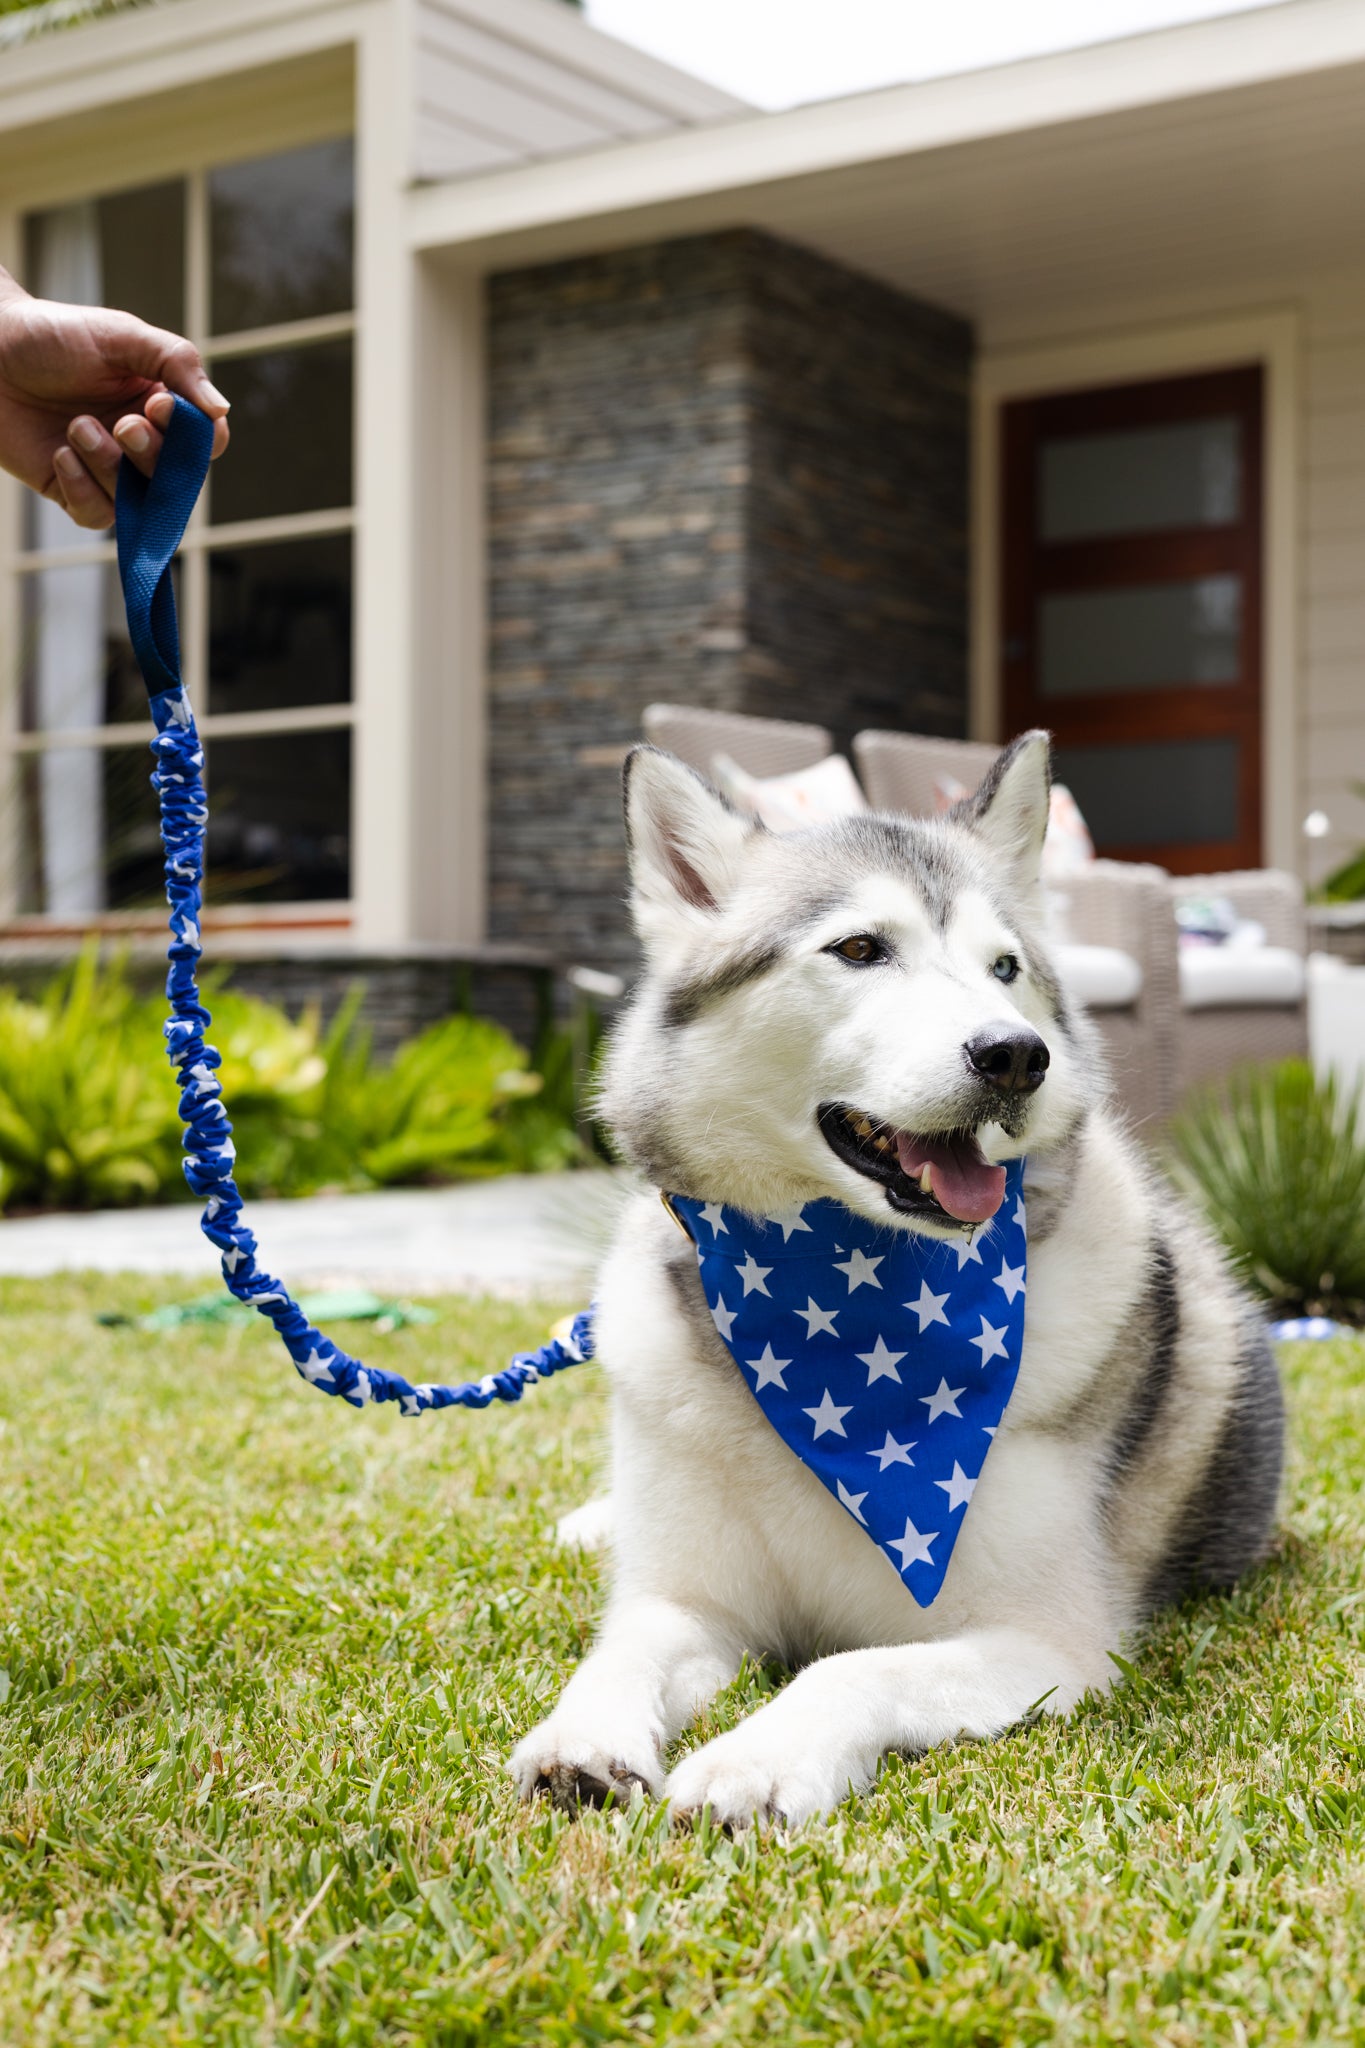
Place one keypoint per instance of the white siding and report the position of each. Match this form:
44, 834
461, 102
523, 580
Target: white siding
1332, 589
502, 82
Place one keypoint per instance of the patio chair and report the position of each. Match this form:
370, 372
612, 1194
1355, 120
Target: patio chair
1240, 1004
761, 746
1119, 958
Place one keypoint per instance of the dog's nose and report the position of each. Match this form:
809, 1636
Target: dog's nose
1013, 1061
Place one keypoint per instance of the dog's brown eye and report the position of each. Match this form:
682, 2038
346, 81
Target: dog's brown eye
862, 950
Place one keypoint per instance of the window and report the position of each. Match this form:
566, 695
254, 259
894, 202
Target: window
254, 262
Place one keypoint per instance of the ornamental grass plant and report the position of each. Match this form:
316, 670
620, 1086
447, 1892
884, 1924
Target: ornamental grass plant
88, 1114
1275, 1156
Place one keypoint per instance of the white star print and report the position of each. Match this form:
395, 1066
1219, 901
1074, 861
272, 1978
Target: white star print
929, 1307
852, 1501
959, 1488
943, 1401
827, 1418
724, 1318
913, 1547
205, 1080
315, 1368
1019, 1215
892, 1453
790, 1220
1011, 1279
233, 1256
714, 1214
991, 1342
362, 1389
861, 1270
179, 709
966, 1251
411, 1405
753, 1275
189, 932
818, 1321
881, 1364
770, 1371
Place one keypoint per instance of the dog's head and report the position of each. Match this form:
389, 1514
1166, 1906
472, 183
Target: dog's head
864, 1011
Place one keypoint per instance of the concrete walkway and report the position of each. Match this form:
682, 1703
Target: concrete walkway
517, 1236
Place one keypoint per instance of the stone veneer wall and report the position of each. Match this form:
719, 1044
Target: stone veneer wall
723, 471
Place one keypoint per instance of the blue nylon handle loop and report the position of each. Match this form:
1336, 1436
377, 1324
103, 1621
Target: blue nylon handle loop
151, 515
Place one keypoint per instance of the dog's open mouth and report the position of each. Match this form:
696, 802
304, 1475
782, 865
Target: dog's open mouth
946, 1176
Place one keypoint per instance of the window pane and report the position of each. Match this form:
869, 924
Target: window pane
91, 836
1096, 642
280, 238
280, 624
126, 250
142, 248
1154, 792
280, 818
78, 667
291, 433
1144, 480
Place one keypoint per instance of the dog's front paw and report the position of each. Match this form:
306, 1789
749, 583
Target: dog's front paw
757, 1772
577, 1770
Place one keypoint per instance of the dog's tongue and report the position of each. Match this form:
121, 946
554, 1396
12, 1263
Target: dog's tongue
963, 1181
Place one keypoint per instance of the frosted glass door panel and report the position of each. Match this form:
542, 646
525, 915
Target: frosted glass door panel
1155, 792
1149, 637
1149, 480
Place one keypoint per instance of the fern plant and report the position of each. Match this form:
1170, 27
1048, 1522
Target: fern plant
1276, 1158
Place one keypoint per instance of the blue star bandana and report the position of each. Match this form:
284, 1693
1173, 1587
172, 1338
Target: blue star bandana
884, 1360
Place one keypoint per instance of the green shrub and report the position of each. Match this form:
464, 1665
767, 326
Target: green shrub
88, 1113
1276, 1158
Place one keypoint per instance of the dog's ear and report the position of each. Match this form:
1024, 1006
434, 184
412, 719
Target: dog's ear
685, 842
1009, 811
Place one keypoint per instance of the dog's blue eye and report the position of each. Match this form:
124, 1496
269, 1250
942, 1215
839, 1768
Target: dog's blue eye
1006, 968
862, 950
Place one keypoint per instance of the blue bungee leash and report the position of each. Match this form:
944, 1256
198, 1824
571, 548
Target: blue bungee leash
150, 516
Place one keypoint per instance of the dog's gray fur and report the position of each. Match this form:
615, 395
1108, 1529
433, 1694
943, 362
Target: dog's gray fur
1140, 1455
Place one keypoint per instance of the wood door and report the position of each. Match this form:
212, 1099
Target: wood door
1131, 586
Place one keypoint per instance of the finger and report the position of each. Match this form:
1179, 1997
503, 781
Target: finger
183, 371
160, 357
140, 442
97, 451
161, 405
88, 505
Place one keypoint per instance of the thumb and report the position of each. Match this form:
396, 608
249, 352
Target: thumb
129, 344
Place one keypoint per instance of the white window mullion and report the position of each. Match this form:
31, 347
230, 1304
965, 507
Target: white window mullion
194, 623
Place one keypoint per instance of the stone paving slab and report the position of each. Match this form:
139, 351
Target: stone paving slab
520, 1235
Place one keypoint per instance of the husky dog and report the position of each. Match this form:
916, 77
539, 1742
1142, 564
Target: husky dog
892, 978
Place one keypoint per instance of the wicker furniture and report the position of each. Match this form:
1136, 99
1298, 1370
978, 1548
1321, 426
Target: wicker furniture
762, 746
1241, 1005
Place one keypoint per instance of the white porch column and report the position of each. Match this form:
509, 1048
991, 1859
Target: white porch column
418, 862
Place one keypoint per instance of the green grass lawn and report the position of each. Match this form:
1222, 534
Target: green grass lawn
263, 1658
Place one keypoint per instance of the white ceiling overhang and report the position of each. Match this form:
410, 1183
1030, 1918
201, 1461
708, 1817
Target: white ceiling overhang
1222, 159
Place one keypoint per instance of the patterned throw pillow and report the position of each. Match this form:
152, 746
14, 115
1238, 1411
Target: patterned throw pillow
816, 795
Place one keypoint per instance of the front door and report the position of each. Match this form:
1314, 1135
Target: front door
1131, 584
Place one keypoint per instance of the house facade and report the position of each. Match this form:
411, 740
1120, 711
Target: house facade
563, 383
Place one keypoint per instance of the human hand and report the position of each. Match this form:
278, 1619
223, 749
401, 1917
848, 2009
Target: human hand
81, 386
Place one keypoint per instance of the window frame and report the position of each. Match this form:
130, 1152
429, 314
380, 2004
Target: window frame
200, 537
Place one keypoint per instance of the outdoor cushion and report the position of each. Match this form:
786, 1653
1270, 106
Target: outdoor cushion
1223, 977
816, 795
1101, 977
